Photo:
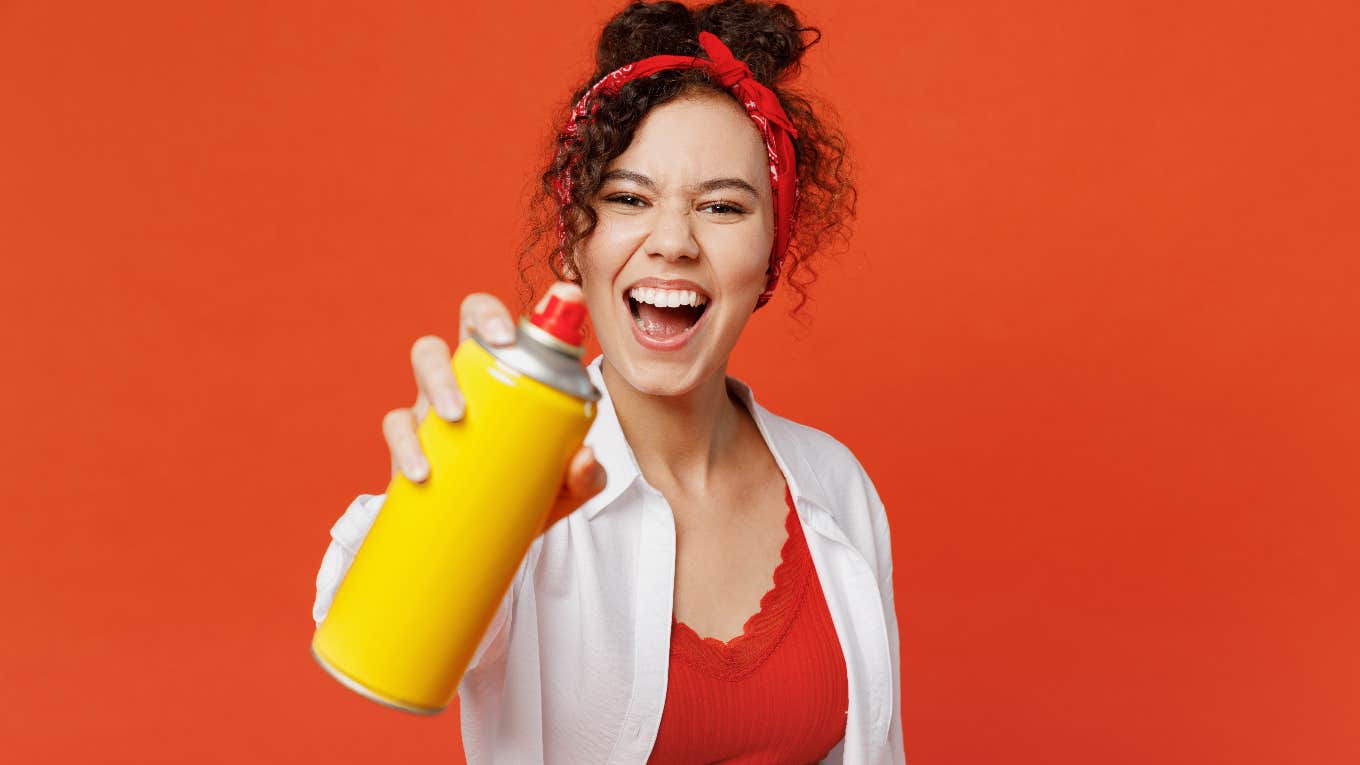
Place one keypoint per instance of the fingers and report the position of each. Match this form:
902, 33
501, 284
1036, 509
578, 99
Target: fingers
485, 314
437, 388
399, 429
430, 362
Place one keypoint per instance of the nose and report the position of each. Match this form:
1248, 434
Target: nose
672, 234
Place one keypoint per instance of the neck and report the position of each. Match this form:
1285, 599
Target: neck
678, 441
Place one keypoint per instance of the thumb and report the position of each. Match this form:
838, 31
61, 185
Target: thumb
585, 478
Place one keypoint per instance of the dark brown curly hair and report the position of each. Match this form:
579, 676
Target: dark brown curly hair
769, 38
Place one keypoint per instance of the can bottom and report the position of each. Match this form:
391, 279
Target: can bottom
369, 693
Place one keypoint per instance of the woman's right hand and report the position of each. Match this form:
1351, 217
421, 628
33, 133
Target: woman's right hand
435, 384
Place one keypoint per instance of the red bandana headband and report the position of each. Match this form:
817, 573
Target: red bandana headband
762, 105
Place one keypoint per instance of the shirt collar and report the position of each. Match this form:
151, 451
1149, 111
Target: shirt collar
614, 453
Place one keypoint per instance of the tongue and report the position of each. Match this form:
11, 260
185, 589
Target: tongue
665, 322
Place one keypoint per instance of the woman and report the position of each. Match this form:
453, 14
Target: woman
691, 510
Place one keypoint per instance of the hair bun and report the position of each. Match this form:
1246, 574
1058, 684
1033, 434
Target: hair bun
647, 29
767, 36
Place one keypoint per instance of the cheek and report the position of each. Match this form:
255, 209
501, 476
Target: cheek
594, 284
598, 266
609, 244
750, 251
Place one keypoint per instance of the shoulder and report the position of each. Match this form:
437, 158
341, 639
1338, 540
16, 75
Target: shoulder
828, 470
828, 460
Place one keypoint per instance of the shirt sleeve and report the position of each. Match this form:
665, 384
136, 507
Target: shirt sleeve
884, 563
348, 534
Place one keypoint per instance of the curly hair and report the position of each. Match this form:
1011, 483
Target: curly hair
769, 38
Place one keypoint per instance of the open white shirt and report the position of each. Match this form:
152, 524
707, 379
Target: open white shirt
574, 666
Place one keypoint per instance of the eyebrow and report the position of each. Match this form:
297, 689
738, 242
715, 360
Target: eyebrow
712, 184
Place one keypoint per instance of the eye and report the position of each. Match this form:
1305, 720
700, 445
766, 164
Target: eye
724, 208
627, 200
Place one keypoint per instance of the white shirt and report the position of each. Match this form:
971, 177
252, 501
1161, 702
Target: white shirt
574, 665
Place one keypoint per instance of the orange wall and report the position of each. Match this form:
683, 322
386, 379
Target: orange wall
1095, 342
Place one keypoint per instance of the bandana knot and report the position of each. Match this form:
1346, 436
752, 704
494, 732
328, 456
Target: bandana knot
726, 67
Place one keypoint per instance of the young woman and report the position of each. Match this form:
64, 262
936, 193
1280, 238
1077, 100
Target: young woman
715, 583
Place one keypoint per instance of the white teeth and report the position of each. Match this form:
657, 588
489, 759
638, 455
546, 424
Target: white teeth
667, 298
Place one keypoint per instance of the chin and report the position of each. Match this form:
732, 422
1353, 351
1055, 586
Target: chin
664, 377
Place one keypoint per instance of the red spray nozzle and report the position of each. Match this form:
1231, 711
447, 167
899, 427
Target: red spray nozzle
563, 319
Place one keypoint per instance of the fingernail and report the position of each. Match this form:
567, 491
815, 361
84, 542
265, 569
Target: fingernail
498, 330
416, 469
449, 405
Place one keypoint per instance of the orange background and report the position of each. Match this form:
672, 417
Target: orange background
1095, 341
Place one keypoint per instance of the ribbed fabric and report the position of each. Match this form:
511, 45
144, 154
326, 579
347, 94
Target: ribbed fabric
776, 693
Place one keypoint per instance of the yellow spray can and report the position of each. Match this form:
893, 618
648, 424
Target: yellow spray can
425, 584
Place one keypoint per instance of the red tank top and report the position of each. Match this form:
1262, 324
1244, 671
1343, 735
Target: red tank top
776, 693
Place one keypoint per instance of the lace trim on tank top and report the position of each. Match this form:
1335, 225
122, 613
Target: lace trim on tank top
765, 629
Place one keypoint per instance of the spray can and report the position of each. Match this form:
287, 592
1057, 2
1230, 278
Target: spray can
440, 556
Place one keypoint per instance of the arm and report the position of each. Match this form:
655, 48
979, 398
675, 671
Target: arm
885, 585
895, 729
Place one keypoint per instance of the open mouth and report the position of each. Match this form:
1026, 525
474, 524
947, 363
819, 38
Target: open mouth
665, 314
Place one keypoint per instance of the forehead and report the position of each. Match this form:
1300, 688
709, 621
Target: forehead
696, 138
